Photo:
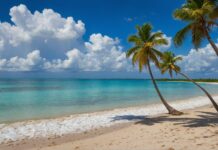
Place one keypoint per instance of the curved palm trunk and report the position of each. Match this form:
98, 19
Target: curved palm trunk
208, 95
170, 109
211, 42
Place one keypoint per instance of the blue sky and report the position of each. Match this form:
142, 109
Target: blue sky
109, 20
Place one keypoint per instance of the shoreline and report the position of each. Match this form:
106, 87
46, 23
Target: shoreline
79, 123
106, 109
196, 128
204, 82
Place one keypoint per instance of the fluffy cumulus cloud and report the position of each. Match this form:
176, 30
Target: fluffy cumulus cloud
47, 31
59, 44
102, 53
73, 56
203, 60
45, 24
21, 64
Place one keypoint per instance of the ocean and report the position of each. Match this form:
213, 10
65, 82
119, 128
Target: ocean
24, 99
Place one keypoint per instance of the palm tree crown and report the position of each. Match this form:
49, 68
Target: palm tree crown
200, 15
168, 63
145, 43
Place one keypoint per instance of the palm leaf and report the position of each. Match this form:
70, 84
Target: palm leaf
131, 51
157, 52
197, 35
135, 39
155, 36
160, 41
180, 36
183, 14
144, 31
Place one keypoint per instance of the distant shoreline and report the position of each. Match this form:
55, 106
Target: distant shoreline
196, 80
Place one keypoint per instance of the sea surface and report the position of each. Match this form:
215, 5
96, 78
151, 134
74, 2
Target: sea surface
23, 99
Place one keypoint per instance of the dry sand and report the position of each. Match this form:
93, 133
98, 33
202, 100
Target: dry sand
196, 129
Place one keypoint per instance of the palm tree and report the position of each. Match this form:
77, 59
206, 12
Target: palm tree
169, 64
201, 16
144, 52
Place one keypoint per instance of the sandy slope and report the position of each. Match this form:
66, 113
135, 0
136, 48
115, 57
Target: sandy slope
196, 129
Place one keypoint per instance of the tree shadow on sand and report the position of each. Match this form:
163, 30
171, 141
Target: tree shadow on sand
202, 120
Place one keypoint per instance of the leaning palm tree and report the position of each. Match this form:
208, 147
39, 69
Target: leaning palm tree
144, 52
168, 63
200, 16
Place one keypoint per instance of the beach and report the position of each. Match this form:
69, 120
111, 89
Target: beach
109, 75
145, 127
197, 129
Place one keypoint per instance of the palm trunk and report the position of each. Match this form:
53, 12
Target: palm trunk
208, 95
170, 109
211, 41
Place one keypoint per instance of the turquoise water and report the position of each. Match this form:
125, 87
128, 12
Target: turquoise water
34, 99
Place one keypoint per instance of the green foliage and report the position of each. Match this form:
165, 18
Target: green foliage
168, 63
181, 35
200, 15
145, 43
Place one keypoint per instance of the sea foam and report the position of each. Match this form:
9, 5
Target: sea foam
84, 122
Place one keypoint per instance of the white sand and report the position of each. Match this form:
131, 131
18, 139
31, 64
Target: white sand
197, 129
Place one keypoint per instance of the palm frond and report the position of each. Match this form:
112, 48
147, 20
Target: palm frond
157, 52
154, 59
197, 35
180, 35
183, 14
132, 51
155, 35
135, 58
177, 58
135, 39
163, 69
177, 68
144, 31
160, 41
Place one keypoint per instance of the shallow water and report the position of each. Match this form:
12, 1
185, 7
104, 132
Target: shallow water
35, 99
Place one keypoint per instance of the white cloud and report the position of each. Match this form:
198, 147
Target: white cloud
59, 43
73, 57
21, 64
102, 53
47, 31
202, 60
48, 23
